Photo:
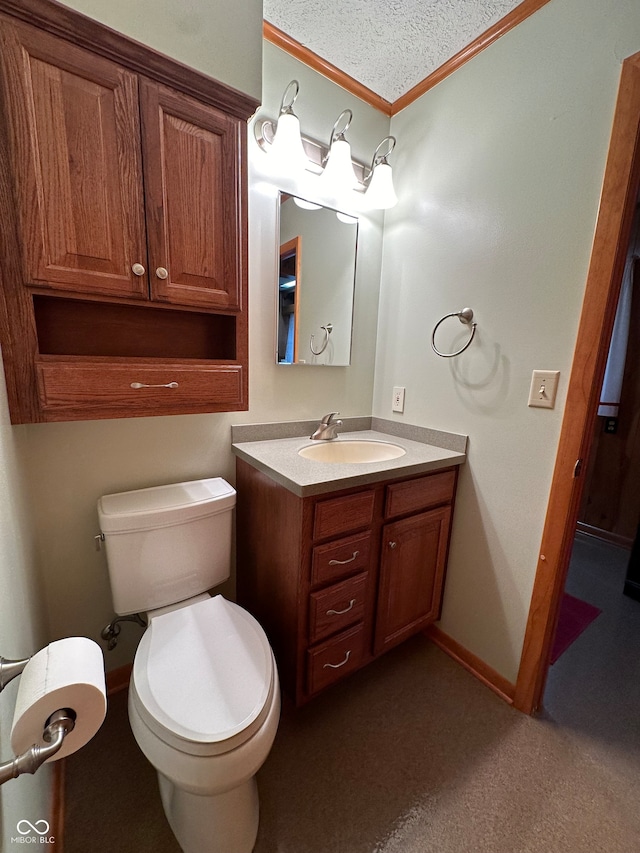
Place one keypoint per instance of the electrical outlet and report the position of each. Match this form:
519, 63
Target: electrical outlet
544, 384
398, 399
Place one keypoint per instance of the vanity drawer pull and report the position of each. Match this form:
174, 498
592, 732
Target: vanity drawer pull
137, 385
340, 557
335, 607
342, 612
337, 665
344, 562
330, 661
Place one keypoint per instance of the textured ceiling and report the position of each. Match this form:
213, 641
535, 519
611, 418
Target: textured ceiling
387, 45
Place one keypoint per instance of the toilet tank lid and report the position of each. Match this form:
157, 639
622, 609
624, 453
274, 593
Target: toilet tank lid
158, 506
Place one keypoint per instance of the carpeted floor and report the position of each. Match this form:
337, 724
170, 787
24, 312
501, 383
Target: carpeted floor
410, 755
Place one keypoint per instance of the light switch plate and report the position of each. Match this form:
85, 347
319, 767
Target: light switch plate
544, 386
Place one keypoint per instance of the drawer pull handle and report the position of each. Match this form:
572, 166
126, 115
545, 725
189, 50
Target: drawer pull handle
344, 562
162, 272
143, 385
341, 612
138, 269
393, 545
337, 665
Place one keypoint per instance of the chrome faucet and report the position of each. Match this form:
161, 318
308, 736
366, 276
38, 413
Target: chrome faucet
327, 428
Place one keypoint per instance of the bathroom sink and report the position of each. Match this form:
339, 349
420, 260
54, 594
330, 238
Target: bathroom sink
356, 450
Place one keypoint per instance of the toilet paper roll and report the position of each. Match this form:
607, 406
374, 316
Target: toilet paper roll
68, 673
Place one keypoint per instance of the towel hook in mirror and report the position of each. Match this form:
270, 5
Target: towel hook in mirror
465, 316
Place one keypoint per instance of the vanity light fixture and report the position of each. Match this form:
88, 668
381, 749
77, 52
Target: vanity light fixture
306, 205
286, 147
346, 218
379, 193
338, 175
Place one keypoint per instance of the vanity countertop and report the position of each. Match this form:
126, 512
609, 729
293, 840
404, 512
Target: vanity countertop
279, 459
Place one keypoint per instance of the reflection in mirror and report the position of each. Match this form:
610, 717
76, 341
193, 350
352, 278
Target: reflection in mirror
316, 283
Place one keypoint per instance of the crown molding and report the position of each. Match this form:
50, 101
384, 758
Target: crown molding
297, 50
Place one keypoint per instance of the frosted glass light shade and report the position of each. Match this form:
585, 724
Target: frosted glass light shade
287, 149
380, 193
304, 204
348, 220
338, 174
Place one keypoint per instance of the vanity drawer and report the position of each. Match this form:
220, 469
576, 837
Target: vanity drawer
334, 659
335, 608
418, 494
339, 558
339, 515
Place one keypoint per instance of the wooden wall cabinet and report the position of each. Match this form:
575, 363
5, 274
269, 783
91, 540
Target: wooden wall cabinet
337, 579
123, 203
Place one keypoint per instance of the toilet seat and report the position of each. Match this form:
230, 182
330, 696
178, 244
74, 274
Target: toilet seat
203, 676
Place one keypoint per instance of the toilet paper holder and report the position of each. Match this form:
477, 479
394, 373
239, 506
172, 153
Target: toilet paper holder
10, 669
55, 729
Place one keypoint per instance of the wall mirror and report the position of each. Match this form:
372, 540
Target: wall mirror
316, 283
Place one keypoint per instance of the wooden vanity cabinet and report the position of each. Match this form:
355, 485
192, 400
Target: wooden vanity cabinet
123, 202
336, 579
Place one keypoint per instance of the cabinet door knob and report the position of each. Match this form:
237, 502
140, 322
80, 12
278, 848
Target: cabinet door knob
162, 273
392, 544
138, 269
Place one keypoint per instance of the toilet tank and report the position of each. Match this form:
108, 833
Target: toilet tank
166, 544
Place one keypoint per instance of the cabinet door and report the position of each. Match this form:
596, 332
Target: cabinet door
413, 561
73, 122
193, 185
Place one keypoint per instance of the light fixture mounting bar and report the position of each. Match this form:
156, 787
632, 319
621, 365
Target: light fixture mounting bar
264, 132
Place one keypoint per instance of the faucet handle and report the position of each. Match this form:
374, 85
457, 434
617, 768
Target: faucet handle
327, 419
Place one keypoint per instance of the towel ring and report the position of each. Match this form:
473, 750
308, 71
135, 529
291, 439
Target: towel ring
327, 331
465, 316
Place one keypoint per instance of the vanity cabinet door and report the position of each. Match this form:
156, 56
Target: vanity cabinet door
74, 146
192, 183
412, 566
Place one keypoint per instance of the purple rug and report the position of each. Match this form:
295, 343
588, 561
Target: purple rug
575, 616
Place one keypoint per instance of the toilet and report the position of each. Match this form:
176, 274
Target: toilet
204, 696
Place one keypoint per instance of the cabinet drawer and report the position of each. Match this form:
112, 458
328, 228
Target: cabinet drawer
74, 383
339, 515
421, 493
339, 558
334, 659
337, 607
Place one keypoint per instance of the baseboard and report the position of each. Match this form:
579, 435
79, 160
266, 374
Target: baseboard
473, 664
632, 589
605, 535
118, 679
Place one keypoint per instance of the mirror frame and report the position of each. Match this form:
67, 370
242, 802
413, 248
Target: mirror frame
294, 244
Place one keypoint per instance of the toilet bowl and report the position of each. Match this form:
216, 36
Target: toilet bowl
206, 722
204, 696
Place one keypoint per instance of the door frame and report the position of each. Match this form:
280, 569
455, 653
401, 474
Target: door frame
613, 228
